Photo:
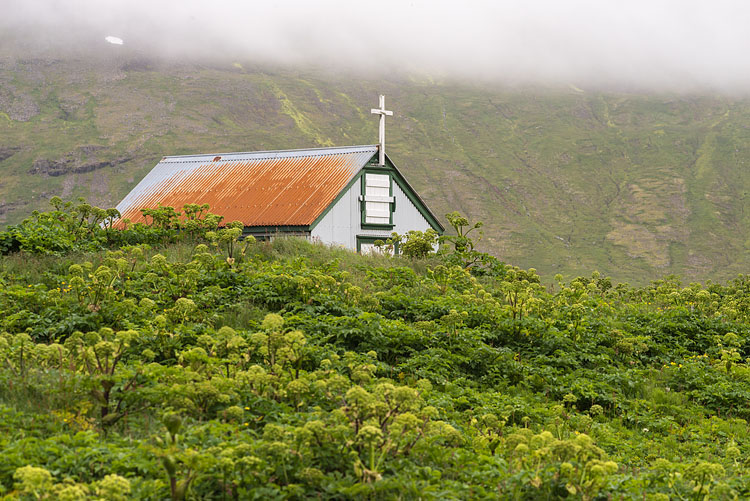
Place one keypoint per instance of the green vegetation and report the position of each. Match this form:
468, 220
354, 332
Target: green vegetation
636, 186
191, 365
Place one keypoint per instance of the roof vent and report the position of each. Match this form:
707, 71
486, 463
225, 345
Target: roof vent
216, 159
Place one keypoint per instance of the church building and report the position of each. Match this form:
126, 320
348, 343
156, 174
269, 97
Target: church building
346, 196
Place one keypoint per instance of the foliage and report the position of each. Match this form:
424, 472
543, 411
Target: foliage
460, 248
81, 227
415, 244
214, 368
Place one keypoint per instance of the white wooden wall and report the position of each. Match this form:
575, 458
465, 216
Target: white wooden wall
342, 224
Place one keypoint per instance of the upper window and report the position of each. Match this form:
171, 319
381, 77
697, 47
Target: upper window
378, 200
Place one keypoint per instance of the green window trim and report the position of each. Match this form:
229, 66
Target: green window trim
363, 200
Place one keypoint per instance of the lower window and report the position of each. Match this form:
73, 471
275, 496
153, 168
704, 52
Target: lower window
366, 245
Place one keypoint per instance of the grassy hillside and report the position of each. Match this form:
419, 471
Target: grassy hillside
636, 186
289, 370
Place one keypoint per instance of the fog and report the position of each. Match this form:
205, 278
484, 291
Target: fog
667, 44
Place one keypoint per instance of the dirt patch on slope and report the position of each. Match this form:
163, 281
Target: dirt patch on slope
7, 151
83, 159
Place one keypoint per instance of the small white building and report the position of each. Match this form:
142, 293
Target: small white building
348, 196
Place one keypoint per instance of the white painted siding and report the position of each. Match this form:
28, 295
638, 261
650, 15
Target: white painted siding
342, 224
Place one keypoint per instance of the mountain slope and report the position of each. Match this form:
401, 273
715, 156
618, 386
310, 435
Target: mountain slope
569, 181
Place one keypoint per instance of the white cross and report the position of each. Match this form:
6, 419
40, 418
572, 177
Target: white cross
382, 112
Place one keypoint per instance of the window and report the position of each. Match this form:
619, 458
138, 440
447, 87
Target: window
366, 248
377, 201
366, 245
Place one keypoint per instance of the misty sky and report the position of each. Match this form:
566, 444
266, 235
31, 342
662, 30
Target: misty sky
668, 44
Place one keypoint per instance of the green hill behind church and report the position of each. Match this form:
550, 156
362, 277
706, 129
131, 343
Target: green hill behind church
565, 180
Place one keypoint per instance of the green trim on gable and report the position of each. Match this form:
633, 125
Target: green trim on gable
372, 166
328, 209
415, 199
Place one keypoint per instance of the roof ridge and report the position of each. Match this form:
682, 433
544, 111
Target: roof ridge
312, 151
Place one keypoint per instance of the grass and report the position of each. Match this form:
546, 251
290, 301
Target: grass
319, 254
33, 268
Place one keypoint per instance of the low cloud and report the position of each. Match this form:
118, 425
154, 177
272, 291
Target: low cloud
667, 45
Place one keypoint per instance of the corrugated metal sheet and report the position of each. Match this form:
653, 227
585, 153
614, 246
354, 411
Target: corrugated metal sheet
264, 188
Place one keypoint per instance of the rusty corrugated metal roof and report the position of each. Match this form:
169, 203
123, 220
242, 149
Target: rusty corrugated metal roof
263, 188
